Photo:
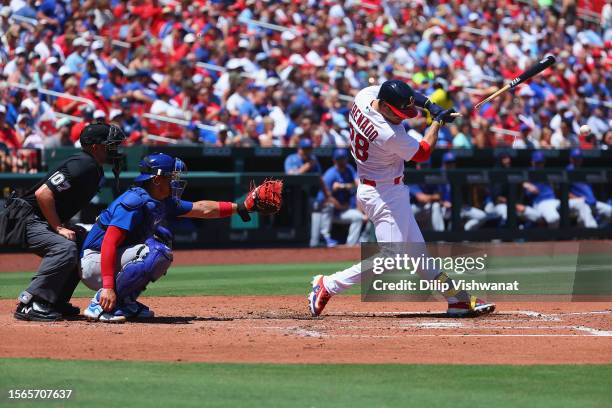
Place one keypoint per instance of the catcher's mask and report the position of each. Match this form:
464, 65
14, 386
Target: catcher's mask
160, 164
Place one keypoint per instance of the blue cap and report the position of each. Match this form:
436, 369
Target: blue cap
340, 154
524, 127
305, 144
159, 164
576, 153
449, 157
538, 157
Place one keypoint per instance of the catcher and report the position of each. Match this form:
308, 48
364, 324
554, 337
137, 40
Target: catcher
128, 247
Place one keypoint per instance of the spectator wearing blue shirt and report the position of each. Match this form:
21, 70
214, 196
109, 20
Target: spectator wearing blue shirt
425, 202
582, 200
541, 195
474, 217
341, 181
76, 61
130, 124
426, 207
303, 161
111, 89
496, 200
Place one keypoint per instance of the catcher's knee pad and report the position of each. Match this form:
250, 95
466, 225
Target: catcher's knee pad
152, 263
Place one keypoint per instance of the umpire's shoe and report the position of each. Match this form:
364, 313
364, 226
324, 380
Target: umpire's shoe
67, 309
37, 310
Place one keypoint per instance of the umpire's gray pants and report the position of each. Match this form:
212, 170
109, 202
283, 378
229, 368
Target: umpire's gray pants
57, 275
91, 269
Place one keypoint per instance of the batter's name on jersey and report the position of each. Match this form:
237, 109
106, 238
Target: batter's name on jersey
363, 124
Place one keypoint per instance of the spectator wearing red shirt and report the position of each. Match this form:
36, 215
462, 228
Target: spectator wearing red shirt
66, 105
8, 136
91, 92
87, 115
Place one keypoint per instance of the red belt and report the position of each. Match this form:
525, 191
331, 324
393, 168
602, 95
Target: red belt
372, 183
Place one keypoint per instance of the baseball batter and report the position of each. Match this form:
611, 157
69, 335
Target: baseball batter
380, 146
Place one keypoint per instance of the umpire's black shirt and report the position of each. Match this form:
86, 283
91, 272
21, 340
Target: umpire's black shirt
73, 183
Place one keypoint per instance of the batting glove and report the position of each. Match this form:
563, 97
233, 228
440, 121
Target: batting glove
445, 116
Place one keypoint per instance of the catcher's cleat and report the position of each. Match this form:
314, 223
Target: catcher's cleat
111, 318
134, 310
318, 297
475, 307
95, 313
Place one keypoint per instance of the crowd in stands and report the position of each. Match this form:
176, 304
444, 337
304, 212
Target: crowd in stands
277, 72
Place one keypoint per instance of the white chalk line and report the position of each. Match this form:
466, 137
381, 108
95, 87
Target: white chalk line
594, 332
477, 325
459, 335
313, 333
584, 313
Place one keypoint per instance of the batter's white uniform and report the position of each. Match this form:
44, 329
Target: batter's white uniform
380, 150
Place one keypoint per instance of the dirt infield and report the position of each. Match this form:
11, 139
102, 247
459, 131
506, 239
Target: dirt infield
278, 330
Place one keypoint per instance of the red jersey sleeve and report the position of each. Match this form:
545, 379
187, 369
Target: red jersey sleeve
113, 238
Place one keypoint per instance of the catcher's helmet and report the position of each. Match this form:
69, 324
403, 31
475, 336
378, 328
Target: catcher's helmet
160, 164
399, 97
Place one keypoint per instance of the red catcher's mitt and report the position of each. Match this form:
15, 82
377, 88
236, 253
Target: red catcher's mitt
266, 198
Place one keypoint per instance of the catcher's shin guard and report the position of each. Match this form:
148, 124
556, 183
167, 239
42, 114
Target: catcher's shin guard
152, 263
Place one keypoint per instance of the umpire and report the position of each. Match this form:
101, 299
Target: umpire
37, 221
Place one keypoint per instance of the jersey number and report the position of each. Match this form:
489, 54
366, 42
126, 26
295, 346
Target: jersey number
359, 144
59, 181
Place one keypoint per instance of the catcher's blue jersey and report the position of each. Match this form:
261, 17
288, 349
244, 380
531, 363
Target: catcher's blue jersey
136, 212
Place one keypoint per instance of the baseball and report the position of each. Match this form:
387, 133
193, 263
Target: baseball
585, 129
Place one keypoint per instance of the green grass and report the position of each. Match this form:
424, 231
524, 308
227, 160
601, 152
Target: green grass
277, 279
136, 384
539, 275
